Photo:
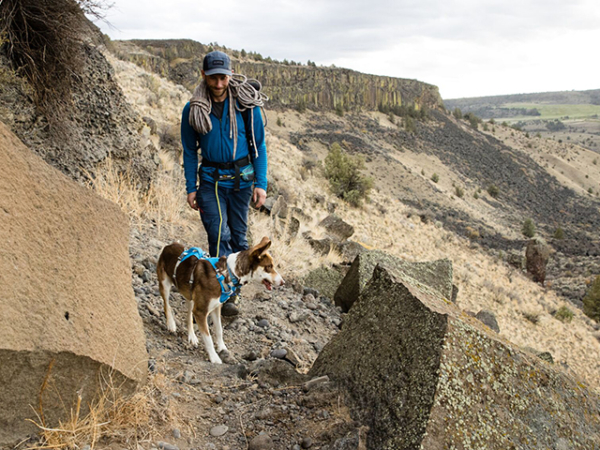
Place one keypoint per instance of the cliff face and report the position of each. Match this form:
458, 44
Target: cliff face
286, 85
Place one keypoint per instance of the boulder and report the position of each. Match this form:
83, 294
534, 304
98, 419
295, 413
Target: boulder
536, 259
69, 314
435, 275
325, 280
336, 227
420, 374
488, 318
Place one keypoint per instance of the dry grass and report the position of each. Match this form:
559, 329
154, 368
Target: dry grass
164, 203
126, 420
120, 188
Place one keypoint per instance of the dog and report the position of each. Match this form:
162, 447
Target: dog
203, 293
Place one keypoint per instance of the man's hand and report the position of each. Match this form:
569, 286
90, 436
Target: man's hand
258, 197
191, 199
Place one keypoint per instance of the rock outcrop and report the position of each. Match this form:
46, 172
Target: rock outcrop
421, 374
95, 123
286, 85
435, 275
536, 259
68, 310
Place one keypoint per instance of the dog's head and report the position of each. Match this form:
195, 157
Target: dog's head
259, 265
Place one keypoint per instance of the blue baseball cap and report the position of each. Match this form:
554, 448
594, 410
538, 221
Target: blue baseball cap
216, 62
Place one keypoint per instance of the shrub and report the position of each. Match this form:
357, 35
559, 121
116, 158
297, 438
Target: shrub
531, 316
457, 113
475, 195
435, 178
409, 124
528, 228
345, 179
339, 110
459, 192
559, 233
564, 314
591, 301
279, 122
43, 40
301, 106
493, 190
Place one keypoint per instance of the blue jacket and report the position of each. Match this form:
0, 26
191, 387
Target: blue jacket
216, 146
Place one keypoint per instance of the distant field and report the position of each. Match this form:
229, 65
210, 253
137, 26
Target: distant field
555, 111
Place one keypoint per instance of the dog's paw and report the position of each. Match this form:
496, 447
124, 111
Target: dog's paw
216, 360
193, 340
171, 326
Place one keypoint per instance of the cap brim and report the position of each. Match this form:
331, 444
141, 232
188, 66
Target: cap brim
218, 71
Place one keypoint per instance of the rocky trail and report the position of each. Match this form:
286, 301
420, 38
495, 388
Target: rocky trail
260, 397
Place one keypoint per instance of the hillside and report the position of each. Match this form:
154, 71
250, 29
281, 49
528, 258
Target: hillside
263, 393
562, 116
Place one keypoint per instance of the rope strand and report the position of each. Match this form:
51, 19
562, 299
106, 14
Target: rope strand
241, 88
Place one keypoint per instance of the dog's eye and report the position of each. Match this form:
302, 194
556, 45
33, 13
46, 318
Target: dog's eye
268, 268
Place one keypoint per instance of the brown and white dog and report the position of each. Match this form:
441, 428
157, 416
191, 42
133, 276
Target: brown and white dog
203, 294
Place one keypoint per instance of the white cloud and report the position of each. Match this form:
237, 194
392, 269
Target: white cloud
466, 47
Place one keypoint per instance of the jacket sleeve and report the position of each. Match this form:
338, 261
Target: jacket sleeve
260, 163
190, 151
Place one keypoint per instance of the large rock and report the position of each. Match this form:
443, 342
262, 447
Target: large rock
422, 375
435, 275
336, 227
325, 280
68, 309
536, 259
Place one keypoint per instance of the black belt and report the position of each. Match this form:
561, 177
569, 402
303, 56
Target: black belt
237, 165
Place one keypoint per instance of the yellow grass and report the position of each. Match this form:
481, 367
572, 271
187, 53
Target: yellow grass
127, 420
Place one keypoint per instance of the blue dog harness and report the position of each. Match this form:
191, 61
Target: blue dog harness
227, 290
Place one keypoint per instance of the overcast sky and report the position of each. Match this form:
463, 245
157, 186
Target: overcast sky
467, 48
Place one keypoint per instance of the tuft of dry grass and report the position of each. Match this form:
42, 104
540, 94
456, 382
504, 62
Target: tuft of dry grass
112, 417
120, 188
163, 203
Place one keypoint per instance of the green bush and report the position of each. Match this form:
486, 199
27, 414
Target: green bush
345, 179
339, 110
564, 314
457, 113
528, 228
493, 190
559, 233
459, 192
409, 124
591, 301
435, 178
301, 106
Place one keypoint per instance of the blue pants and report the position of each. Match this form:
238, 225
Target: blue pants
234, 211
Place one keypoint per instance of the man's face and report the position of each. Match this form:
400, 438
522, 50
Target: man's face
217, 86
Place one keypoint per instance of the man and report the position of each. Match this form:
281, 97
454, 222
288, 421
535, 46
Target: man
232, 173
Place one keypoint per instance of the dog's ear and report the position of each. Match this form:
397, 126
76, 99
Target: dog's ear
260, 249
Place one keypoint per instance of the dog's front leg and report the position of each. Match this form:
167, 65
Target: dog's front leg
216, 317
192, 338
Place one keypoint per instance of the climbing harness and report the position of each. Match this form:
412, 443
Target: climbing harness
227, 289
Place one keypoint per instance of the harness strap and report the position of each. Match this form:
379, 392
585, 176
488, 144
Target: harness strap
227, 290
193, 251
